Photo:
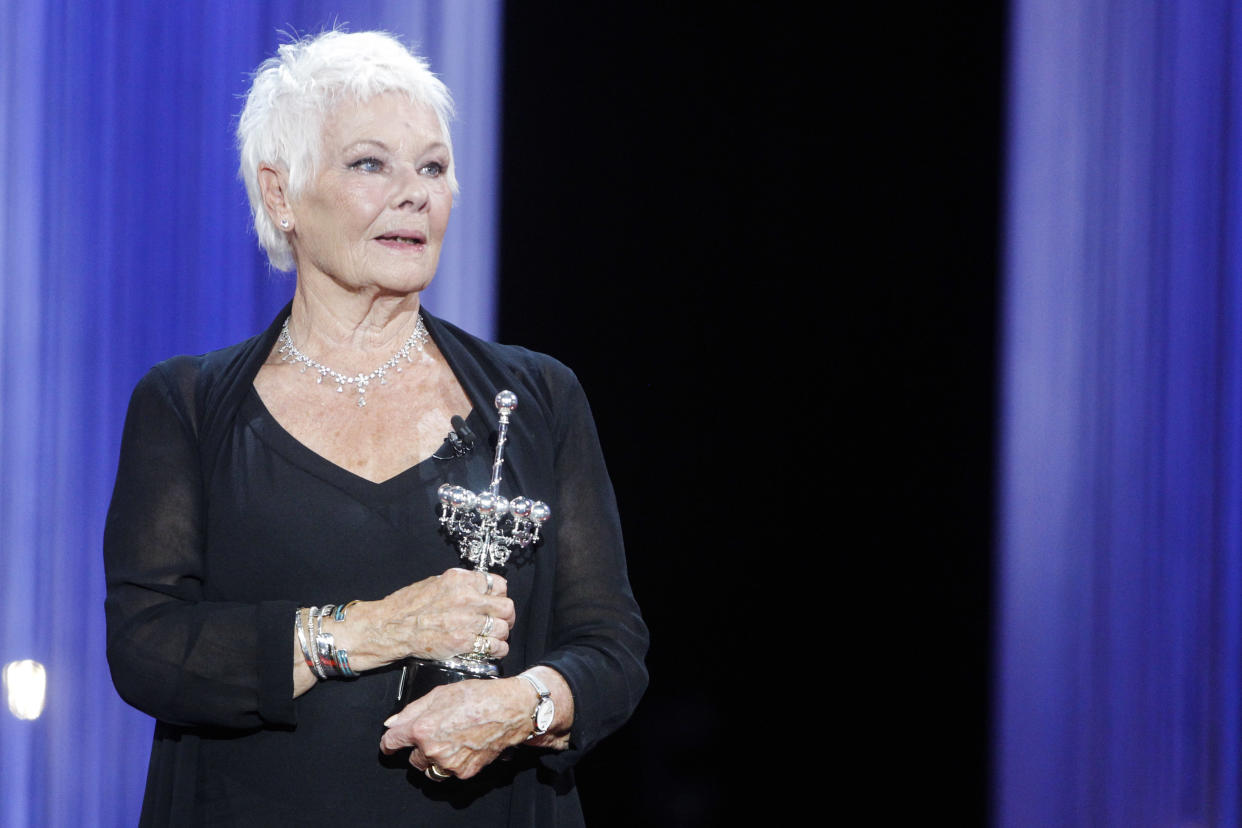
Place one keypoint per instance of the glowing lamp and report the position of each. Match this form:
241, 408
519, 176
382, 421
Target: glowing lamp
25, 685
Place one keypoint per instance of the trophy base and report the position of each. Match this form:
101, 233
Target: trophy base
419, 677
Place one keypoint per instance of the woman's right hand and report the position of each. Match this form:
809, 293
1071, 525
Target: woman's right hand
436, 618
440, 617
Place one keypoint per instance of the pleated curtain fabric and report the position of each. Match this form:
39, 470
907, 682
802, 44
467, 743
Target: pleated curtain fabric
125, 239
1119, 611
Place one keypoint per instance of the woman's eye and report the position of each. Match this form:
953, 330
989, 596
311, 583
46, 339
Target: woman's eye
435, 169
367, 164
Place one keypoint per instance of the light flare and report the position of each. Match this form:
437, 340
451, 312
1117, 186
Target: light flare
25, 687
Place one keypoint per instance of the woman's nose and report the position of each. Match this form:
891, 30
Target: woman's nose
410, 190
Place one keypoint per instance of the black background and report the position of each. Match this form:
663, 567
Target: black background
715, 218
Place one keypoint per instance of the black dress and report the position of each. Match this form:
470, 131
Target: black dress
222, 524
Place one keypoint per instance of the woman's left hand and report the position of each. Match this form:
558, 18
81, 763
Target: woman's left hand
462, 727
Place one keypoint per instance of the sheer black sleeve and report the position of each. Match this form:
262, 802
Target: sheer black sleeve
599, 640
174, 655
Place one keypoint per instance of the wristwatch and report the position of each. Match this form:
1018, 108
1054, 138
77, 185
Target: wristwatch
545, 710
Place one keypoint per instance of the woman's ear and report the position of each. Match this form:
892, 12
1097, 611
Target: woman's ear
274, 187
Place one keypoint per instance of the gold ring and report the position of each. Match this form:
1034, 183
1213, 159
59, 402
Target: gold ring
437, 774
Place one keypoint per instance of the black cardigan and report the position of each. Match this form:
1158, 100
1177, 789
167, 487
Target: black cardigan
221, 524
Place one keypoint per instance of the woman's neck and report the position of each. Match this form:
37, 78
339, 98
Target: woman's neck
347, 329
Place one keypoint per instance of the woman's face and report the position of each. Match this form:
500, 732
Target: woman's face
375, 213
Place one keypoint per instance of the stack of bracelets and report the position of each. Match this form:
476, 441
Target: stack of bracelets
321, 654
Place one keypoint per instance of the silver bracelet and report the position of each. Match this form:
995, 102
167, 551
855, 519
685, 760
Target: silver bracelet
325, 643
312, 627
297, 626
320, 653
342, 661
342, 656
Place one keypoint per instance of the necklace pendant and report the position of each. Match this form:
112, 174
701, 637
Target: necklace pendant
289, 353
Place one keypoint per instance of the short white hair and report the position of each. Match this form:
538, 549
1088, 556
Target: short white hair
294, 91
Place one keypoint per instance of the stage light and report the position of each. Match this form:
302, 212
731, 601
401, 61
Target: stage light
25, 684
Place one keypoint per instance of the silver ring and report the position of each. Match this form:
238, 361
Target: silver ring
488, 591
482, 646
487, 626
436, 773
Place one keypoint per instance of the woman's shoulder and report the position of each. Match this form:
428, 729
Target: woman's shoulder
191, 371
196, 384
515, 359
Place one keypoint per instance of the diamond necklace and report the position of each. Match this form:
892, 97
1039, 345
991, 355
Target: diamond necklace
290, 353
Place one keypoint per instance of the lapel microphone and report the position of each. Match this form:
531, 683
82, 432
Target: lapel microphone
460, 439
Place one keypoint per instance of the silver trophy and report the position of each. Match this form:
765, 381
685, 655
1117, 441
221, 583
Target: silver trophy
487, 527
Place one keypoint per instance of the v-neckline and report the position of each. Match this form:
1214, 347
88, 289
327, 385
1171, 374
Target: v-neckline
257, 415
311, 461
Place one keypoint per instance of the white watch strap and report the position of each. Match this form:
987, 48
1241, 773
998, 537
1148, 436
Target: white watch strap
543, 706
540, 687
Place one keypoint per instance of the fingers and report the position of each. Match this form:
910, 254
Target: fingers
486, 631
494, 627
469, 589
489, 583
459, 728
488, 647
484, 583
465, 633
451, 635
501, 609
406, 730
440, 617
492, 639
397, 737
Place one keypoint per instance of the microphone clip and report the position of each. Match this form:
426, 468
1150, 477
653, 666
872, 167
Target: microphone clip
460, 440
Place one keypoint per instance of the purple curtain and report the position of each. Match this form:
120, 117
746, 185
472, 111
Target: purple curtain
1120, 572
124, 239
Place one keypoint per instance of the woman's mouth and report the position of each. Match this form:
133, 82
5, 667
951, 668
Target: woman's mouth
402, 239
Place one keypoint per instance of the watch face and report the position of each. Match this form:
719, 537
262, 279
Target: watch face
543, 715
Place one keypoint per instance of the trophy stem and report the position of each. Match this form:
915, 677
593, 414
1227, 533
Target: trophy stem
486, 550
499, 457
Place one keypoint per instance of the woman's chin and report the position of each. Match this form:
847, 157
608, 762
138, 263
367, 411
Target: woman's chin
382, 283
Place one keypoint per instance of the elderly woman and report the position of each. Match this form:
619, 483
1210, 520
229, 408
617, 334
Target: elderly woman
299, 469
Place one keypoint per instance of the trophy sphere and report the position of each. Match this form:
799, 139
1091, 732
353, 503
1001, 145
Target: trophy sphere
446, 493
520, 506
506, 401
460, 497
485, 503
539, 512
502, 506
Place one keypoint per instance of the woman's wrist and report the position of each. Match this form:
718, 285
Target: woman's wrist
560, 699
355, 631
335, 641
